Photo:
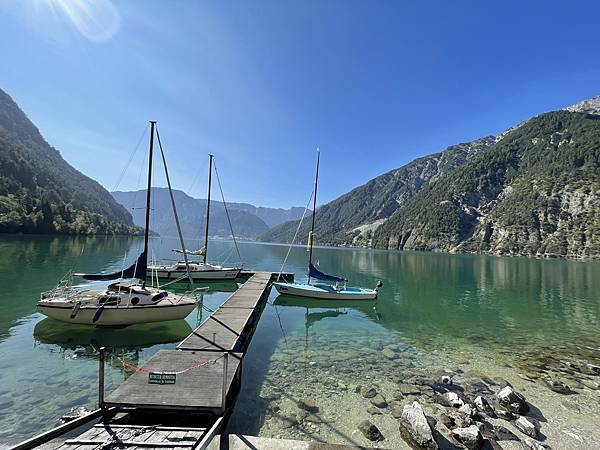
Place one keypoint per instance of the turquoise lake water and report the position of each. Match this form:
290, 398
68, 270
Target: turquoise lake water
448, 310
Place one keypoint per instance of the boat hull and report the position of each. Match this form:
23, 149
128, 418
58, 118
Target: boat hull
224, 274
311, 291
116, 316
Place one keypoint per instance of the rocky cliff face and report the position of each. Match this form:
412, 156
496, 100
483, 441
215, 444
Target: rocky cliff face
534, 193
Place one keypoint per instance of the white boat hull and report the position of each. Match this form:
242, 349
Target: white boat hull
224, 274
325, 293
116, 315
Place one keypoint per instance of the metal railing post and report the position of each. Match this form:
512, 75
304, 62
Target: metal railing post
101, 360
224, 393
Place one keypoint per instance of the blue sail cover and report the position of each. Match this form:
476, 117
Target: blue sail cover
136, 270
313, 272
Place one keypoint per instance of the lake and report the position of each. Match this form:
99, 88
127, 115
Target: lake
472, 317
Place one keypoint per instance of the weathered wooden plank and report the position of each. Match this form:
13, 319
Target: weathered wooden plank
199, 388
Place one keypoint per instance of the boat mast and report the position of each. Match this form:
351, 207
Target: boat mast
312, 228
147, 229
210, 159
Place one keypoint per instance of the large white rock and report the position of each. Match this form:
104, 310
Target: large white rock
415, 429
512, 400
470, 437
528, 426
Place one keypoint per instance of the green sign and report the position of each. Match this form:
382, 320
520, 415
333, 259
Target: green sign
161, 378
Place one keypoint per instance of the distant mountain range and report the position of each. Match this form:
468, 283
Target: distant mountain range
534, 190
41, 193
247, 220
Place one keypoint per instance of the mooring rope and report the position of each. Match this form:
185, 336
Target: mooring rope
170, 372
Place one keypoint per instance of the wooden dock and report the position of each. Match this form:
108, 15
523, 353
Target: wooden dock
194, 386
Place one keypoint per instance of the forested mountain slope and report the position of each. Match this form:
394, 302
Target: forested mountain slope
536, 192
41, 193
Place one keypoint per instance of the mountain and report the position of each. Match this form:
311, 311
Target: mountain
536, 193
353, 217
247, 220
41, 193
534, 190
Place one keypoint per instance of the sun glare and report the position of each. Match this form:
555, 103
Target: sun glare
96, 20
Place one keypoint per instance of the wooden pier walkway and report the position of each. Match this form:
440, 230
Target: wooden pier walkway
194, 386
206, 364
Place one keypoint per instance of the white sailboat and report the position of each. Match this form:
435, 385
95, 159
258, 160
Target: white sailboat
121, 303
197, 270
328, 287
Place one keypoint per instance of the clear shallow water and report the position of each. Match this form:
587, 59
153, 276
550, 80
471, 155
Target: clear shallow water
482, 314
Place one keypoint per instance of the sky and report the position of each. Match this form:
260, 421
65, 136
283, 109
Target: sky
262, 84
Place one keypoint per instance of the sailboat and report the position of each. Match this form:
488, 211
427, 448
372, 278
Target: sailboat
122, 303
197, 270
327, 287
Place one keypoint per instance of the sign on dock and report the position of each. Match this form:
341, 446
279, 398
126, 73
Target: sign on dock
162, 378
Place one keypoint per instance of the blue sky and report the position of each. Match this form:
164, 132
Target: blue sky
261, 84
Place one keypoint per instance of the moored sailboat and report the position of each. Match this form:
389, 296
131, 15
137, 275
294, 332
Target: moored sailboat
196, 270
327, 287
122, 303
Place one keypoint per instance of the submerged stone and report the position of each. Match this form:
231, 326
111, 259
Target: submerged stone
389, 353
558, 386
368, 392
308, 405
379, 401
370, 431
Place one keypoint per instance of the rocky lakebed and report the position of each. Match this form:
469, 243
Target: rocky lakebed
390, 395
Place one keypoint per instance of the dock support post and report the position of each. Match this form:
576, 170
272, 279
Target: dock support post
224, 393
101, 359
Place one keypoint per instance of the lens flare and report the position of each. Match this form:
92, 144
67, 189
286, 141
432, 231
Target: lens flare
96, 20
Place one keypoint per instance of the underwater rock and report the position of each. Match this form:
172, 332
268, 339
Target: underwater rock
415, 429
528, 426
389, 353
512, 400
308, 405
368, 392
558, 386
379, 401
370, 431
590, 384
374, 411
408, 389
470, 437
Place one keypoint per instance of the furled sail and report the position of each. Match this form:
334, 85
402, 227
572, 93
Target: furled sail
136, 270
313, 272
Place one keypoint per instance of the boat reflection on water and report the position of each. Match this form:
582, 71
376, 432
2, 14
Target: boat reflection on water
183, 286
334, 308
127, 343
